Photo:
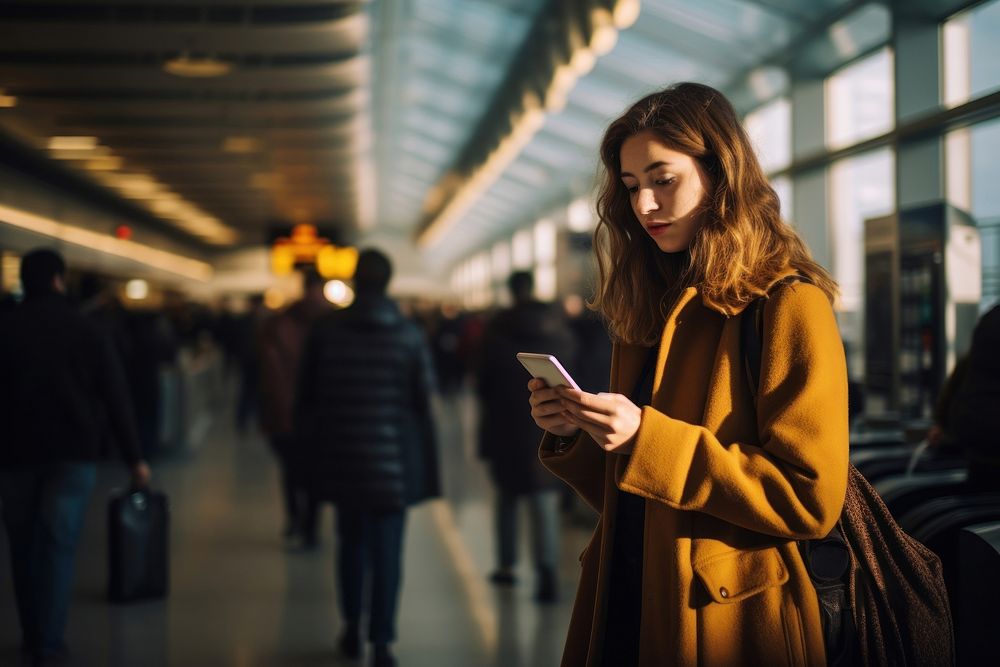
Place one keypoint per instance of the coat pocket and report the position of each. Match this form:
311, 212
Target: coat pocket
736, 575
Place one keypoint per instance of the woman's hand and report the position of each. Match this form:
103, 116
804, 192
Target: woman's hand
612, 420
547, 409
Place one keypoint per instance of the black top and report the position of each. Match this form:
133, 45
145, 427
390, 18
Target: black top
621, 634
363, 411
63, 394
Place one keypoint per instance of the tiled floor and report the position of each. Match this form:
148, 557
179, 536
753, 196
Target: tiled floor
239, 598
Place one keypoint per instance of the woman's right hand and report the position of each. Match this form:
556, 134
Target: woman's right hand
547, 409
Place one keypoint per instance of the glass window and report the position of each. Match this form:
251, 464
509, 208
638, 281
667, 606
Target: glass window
471, 279
859, 100
482, 293
545, 282
985, 143
861, 187
783, 187
972, 53
500, 255
770, 129
520, 250
545, 242
545, 260
973, 172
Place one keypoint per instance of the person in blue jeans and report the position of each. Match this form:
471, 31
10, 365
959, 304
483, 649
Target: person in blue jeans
364, 423
62, 395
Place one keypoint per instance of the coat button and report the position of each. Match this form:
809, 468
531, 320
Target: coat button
723, 592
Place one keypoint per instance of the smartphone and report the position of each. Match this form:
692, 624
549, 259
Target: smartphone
546, 367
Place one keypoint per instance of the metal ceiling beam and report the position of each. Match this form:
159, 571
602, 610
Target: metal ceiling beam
562, 33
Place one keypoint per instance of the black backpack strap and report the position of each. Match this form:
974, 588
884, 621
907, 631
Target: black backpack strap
752, 334
752, 342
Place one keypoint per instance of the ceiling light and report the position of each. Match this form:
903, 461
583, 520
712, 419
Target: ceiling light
137, 290
7, 101
137, 252
83, 154
72, 143
604, 39
337, 292
167, 205
241, 145
625, 13
137, 186
604, 35
104, 164
197, 67
583, 61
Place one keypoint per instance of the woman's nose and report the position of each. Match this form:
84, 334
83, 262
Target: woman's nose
646, 201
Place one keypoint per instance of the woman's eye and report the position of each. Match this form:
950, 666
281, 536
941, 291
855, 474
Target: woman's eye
666, 181
632, 189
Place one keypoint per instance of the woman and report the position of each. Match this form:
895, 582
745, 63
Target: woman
702, 489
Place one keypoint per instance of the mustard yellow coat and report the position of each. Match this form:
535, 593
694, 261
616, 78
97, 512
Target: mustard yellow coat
727, 491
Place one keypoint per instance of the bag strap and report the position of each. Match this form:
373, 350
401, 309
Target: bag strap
752, 342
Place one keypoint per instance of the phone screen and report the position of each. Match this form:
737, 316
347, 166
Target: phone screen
548, 368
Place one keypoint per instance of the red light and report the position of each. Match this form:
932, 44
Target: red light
123, 232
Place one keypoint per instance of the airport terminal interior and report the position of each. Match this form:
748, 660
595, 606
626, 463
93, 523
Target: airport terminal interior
193, 160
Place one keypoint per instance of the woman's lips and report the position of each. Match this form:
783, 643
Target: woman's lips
657, 228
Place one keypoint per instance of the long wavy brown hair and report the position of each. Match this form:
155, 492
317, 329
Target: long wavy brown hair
739, 251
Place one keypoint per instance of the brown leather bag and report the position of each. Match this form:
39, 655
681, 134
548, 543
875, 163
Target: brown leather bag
882, 594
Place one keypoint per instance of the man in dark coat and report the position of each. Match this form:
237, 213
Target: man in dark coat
281, 340
364, 413
508, 437
62, 394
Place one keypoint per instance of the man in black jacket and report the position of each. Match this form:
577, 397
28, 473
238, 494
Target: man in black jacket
363, 413
62, 392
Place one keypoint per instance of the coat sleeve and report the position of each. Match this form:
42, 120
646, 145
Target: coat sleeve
793, 484
581, 466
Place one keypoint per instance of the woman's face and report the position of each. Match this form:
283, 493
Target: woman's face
666, 188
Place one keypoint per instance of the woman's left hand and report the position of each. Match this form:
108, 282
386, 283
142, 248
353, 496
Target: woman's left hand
612, 420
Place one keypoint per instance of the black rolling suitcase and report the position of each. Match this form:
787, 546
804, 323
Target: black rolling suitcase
138, 545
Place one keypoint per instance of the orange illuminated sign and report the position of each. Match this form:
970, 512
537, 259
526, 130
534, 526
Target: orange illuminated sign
305, 247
